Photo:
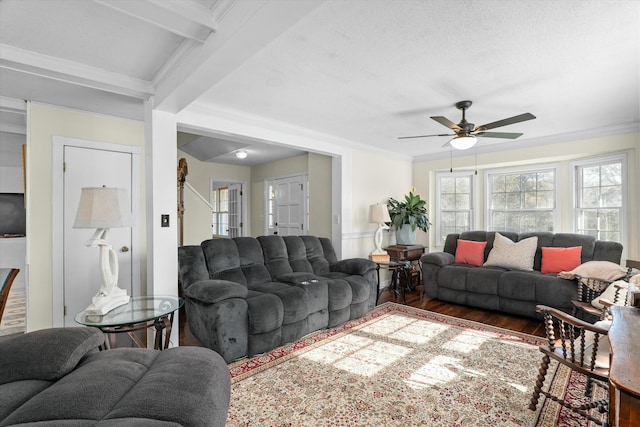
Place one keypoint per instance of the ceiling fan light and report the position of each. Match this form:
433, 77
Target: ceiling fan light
463, 142
241, 154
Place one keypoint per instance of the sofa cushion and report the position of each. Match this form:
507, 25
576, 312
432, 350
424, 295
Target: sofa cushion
47, 354
513, 255
618, 289
555, 260
469, 252
295, 301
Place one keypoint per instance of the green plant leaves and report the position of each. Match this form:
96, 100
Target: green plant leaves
412, 211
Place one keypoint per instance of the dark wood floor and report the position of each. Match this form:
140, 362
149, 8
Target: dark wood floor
514, 323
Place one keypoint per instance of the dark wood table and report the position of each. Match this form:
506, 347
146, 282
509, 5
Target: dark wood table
624, 373
400, 278
405, 252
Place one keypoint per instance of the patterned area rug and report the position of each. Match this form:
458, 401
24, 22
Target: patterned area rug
573, 385
13, 319
397, 366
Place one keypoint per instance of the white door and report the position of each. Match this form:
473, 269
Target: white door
290, 212
235, 210
80, 278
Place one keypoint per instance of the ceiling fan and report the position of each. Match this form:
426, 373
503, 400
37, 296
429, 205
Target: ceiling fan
466, 133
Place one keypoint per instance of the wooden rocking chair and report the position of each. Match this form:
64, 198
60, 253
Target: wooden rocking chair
584, 348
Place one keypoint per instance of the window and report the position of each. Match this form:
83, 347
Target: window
521, 201
454, 204
220, 214
600, 194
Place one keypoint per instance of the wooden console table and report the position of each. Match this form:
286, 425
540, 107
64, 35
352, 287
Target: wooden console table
405, 252
624, 374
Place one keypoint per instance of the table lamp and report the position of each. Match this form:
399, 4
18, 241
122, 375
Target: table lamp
103, 208
379, 214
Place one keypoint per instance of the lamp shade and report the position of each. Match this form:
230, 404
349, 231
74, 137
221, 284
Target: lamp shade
102, 207
463, 142
379, 214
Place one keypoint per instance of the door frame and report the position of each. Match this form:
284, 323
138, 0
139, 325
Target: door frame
57, 239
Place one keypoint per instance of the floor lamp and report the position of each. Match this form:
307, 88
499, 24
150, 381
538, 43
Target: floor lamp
103, 208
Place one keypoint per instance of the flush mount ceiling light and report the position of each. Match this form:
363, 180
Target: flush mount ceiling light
463, 142
241, 154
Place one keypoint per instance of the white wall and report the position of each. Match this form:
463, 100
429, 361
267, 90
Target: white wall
559, 154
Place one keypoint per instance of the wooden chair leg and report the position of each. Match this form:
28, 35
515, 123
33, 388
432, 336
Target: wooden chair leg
588, 392
542, 373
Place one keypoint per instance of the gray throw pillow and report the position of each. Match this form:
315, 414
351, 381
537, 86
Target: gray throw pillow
47, 354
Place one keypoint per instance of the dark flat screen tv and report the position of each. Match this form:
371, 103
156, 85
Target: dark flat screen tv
13, 216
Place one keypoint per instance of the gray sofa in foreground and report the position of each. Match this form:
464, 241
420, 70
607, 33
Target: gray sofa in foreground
245, 296
57, 377
510, 291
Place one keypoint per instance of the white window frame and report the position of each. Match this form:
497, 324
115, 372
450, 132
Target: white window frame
523, 171
595, 161
472, 210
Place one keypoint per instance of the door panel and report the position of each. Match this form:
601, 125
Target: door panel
85, 167
235, 210
290, 199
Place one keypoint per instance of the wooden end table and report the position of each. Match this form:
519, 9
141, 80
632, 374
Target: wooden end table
400, 277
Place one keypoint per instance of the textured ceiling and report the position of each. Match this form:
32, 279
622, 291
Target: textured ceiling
362, 71
372, 71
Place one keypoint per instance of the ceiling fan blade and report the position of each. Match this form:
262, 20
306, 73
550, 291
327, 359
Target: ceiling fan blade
507, 135
446, 122
426, 136
505, 122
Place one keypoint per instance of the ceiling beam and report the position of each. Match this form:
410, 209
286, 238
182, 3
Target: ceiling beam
186, 19
26, 61
244, 29
12, 105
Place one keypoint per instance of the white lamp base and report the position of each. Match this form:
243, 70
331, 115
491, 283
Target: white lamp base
103, 304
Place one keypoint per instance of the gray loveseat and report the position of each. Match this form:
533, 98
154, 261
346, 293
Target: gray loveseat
245, 296
510, 291
57, 377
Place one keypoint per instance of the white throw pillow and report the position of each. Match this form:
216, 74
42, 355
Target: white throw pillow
603, 270
610, 293
512, 255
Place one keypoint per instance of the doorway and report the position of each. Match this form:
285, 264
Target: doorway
287, 205
76, 164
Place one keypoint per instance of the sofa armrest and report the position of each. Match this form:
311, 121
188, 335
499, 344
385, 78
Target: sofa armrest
355, 266
213, 291
437, 258
297, 278
47, 354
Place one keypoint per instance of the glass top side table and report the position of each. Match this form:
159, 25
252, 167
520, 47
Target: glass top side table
139, 313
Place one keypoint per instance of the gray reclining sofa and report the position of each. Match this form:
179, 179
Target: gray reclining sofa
57, 377
510, 291
245, 296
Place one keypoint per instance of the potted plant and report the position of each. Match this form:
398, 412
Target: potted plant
407, 216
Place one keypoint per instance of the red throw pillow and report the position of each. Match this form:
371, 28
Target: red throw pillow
555, 260
470, 252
